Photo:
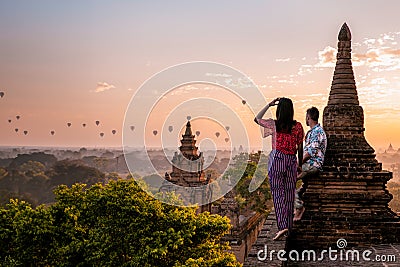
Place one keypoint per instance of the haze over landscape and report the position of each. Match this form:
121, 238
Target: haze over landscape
78, 62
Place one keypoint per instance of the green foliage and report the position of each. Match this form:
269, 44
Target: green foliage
258, 199
69, 172
25, 234
116, 224
31, 181
46, 159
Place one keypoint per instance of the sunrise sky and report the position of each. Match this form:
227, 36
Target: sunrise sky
82, 61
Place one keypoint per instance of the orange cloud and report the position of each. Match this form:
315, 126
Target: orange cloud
103, 86
327, 56
371, 55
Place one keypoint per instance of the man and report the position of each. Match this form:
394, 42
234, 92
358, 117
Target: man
313, 156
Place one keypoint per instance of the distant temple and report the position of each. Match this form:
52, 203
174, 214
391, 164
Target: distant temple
187, 171
390, 149
349, 198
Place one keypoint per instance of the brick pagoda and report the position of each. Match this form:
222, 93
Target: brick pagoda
349, 198
187, 171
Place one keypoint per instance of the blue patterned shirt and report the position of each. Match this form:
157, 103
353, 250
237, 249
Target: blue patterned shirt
315, 146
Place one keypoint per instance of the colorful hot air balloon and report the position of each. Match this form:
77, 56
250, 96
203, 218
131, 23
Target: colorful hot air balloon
132, 128
101, 134
25, 132
244, 102
84, 124
114, 131
217, 134
170, 128
197, 133
227, 139
227, 128
52, 132
9, 121
17, 117
97, 123
1, 94
69, 124
155, 132
16, 130
189, 118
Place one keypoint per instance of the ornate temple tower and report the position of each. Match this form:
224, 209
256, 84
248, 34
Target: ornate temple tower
187, 171
349, 198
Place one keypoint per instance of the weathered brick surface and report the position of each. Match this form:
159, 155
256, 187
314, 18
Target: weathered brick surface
349, 198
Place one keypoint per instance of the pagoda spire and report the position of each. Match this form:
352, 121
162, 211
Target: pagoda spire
343, 88
188, 147
343, 116
188, 130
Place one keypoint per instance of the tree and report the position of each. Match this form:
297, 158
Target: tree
32, 168
69, 172
46, 159
254, 170
116, 224
25, 235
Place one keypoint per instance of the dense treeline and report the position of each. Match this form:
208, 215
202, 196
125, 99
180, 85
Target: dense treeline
33, 183
117, 224
33, 177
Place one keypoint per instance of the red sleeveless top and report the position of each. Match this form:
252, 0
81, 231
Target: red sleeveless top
285, 142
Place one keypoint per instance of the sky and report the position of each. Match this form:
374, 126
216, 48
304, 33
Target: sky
82, 61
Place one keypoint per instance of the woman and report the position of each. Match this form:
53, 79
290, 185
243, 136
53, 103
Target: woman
287, 136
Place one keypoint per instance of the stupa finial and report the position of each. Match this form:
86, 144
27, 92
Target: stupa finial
344, 34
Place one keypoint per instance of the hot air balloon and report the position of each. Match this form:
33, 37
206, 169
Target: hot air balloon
227, 128
16, 130
101, 134
17, 117
25, 132
52, 132
197, 133
114, 131
1, 94
244, 102
170, 128
84, 124
217, 134
155, 132
97, 123
227, 139
9, 121
189, 118
69, 124
132, 128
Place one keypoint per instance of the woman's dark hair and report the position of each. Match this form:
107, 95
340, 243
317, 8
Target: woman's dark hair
284, 116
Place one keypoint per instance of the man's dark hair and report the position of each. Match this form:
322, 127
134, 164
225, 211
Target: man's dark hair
313, 113
284, 116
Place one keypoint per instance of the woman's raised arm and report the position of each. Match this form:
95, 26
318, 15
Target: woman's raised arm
262, 112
